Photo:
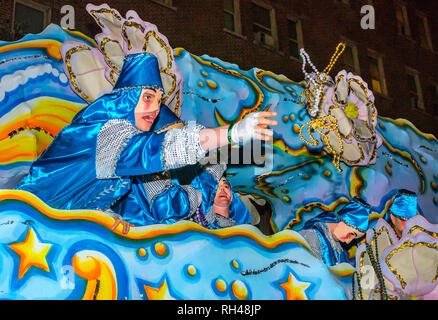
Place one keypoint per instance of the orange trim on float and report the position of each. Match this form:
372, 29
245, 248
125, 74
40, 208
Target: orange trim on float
147, 232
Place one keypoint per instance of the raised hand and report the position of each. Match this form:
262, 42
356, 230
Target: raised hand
255, 125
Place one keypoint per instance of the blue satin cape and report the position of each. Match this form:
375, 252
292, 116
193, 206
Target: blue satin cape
64, 176
173, 204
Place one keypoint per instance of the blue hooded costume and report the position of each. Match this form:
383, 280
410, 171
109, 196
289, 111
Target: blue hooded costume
102, 161
404, 205
354, 214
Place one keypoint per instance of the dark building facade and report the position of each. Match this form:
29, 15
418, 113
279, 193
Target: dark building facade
397, 54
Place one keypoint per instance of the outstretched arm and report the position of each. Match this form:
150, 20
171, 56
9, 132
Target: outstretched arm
253, 126
148, 152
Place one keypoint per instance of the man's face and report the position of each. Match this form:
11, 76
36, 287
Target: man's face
345, 233
223, 194
147, 109
399, 225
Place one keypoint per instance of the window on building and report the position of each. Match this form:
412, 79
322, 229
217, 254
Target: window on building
295, 38
232, 16
434, 98
29, 17
401, 14
264, 25
415, 92
351, 58
424, 32
377, 73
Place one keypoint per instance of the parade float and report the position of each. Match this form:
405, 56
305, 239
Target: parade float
329, 145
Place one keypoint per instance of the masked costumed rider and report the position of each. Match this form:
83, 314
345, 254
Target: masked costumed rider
118, 155
327, 231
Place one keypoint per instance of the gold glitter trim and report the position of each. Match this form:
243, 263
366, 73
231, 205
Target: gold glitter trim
172, 125
328, 123
166, 69
432, 234
362, 156
373, 139
341, 77
329, 113
369, 105
131, 24
362, 255
378, 233
308, 208
389, 296
112, 78
262, 73
107, 58
162, 43
72, 76
410, 244
103, 10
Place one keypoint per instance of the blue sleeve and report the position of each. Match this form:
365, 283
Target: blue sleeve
122, 150
141, 155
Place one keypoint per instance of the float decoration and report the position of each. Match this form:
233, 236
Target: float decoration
38, 101
342, 112
388, 268
94, 71
74, 254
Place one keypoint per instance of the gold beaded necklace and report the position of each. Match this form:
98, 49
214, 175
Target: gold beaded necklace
327, 123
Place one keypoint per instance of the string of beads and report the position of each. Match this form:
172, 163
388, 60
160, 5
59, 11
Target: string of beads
324, 126
312, 95
376, 266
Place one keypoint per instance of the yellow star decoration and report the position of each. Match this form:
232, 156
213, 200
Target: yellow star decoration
32, 252
162, 293
295, 289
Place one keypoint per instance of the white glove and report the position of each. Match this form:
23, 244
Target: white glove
245, 129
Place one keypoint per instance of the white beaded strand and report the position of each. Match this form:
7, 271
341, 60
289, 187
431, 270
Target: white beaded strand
313, 110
